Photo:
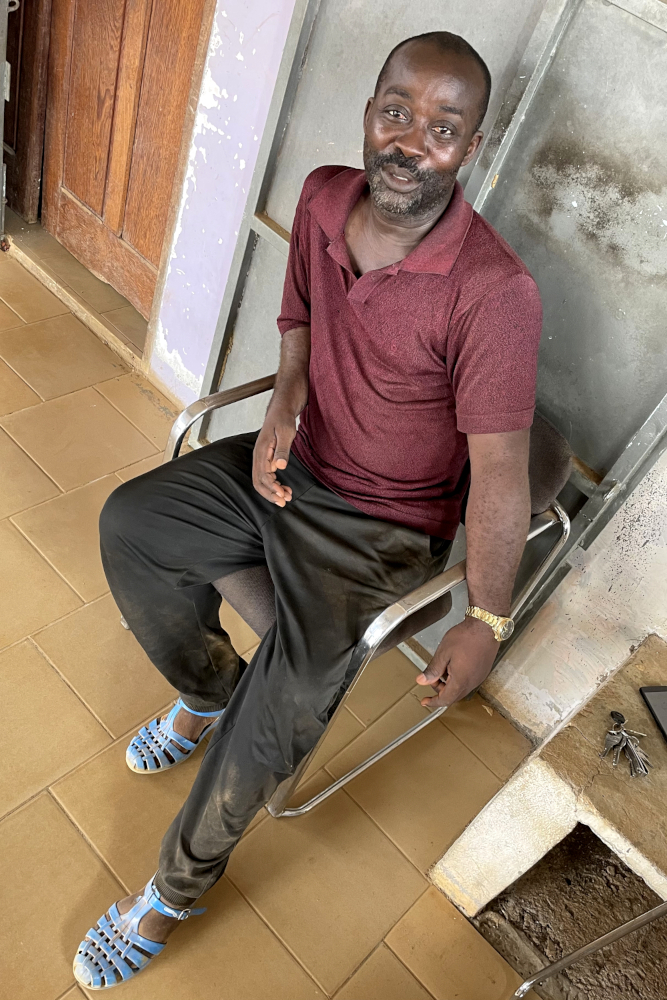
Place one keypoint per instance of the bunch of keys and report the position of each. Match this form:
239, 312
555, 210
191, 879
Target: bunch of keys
622, 740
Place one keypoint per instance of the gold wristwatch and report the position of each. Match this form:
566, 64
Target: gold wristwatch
502, 627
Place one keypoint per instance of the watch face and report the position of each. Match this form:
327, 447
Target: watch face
506, 629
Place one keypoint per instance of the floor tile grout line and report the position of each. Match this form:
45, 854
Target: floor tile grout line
25, 450
413, 973
369, 725
34, 506
47, 560
383, 943
356, 969
499, 777
29, 322
129, 419
74, 301
278, 937
367, 728
73, 392
427, 885
55, 621
69, 989
34, 461
11, 309
52, 795
69, 684
384, 833
46, 265
63, 493
18, 375
400, 960
86, 761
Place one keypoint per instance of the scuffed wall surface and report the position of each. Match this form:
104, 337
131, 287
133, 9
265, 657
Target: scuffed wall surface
613, 598
244, 55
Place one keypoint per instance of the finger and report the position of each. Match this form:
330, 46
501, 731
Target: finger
433, 672
284, 438
261, 459
448, 694
268, 495
271, 483
269, 464
434, 701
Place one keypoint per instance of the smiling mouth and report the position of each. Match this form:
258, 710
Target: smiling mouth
399, 179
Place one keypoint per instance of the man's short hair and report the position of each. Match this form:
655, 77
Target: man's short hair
446, 42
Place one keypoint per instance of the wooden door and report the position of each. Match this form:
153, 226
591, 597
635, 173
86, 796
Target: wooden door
27, 54
120, 73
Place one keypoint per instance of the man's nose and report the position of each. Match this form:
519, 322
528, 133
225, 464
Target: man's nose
412, 142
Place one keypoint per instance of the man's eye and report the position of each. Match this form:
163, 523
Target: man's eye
393, 112
443, 130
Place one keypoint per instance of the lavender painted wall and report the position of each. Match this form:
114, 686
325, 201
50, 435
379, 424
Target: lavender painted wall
244, 54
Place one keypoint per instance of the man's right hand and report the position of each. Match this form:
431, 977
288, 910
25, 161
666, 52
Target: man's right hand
273, 444
271, 453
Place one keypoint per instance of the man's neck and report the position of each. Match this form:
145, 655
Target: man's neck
401, 231
376, 239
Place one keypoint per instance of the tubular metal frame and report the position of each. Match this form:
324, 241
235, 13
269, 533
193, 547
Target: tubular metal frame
386, 622
588, 949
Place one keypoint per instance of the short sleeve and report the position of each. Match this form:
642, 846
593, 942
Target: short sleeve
494, 363
295, 309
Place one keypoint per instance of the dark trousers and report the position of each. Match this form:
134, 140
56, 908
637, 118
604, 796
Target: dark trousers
165, 536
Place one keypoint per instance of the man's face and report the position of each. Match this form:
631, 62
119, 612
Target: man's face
420, 129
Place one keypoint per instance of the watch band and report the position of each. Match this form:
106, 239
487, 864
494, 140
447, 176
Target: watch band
502, 627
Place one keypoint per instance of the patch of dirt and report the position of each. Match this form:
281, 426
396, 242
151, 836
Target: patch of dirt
577, 892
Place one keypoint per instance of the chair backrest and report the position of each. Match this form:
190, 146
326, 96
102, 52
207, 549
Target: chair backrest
550, 464
251, 593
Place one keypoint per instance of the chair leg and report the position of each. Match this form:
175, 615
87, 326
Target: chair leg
277, 805
363, 653
371, 641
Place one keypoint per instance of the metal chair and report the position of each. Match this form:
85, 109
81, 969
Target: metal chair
251, 594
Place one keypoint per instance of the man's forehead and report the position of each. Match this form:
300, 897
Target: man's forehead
422, 69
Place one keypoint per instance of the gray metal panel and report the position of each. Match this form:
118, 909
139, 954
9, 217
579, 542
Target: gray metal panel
255, 349
348, 45
582, 197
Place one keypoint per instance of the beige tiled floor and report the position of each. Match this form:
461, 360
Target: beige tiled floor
335, 903
60, 265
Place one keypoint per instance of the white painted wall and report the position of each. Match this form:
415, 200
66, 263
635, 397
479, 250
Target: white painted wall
244, 53
610, 602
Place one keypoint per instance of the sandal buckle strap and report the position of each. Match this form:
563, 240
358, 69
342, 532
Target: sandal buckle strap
169, 911
204, 715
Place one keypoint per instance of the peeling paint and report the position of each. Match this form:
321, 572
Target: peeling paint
173, 359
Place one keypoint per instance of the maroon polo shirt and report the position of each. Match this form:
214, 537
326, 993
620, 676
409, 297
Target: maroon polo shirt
409, 359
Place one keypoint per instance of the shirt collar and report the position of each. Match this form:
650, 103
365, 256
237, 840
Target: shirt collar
437, 252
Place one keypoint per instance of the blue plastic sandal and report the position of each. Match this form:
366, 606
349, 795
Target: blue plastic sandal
114, 951
157, 746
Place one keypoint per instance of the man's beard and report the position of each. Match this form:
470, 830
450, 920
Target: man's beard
434, 190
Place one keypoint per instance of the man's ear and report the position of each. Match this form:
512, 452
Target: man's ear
472, 148
369, 105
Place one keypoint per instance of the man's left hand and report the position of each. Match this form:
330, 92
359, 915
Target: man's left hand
464, 658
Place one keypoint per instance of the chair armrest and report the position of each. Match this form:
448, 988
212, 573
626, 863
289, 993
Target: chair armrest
191, 414
376, 639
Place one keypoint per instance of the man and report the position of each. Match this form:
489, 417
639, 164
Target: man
410, 334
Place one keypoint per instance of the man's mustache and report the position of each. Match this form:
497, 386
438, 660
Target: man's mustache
397, 159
